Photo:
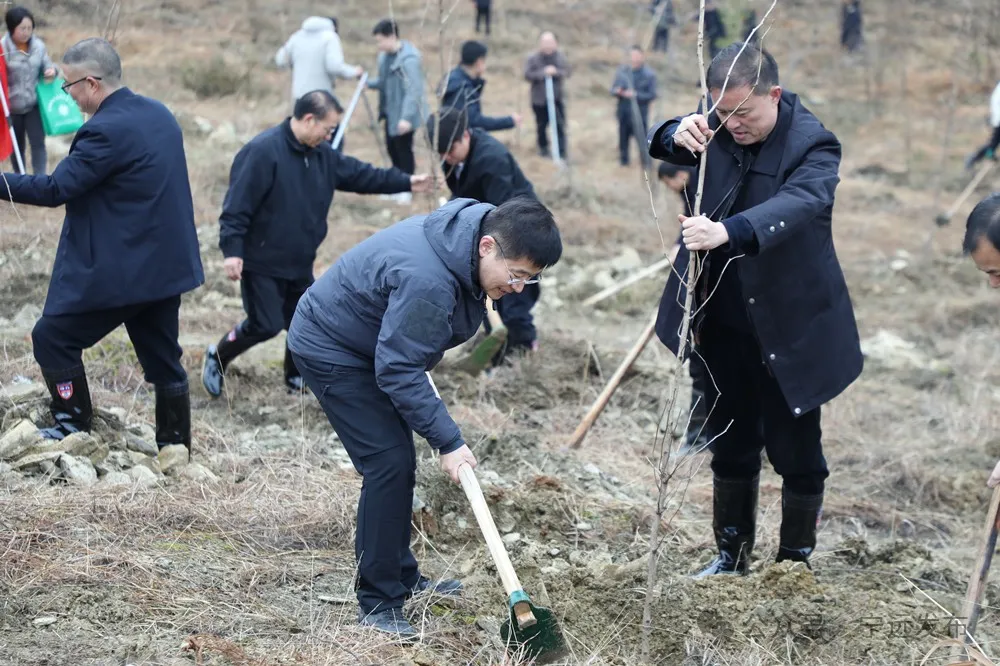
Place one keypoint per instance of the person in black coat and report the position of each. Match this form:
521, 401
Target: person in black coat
273, 221
635, 87
483, 14
477, 166
851, 38
128, 249
778, 333
463, 89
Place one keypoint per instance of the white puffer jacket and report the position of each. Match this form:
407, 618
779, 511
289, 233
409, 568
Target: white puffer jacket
315, 56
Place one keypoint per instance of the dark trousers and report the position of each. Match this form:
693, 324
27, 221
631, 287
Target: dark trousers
58, 341
627, 130
661, 39
748, 401
401, 151
380, 444
542, 125
30, 124
269, 303
989, 149
483, 14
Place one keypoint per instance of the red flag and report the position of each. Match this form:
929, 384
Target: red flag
6, 144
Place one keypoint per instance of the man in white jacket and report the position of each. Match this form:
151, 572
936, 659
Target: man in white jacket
316, 57
990, 148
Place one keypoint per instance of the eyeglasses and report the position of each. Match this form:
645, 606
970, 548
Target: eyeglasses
66, 86
534, 279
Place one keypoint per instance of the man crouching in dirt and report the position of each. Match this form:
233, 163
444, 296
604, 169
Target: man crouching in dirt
778, 332
274, 219
477, 166
982, 244
129, 247
365, 334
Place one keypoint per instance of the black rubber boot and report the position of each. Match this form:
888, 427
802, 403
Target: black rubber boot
734, 508
219, 356
173, 416
71, 407
293, 380
800, 516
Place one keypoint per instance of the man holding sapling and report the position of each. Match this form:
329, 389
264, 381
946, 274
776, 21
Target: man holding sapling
273, 221
774, 324
364, 336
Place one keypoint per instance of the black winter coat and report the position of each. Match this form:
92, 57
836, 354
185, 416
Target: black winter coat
490, 174
129, 235
280, 191
792, 285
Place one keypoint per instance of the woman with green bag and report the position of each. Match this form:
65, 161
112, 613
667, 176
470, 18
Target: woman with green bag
27, 62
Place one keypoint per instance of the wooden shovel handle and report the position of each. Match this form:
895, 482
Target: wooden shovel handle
508, 576
977, 582
983, 170
616, 379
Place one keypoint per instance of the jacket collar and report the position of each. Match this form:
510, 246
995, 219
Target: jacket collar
293, 142
768, 160
114, 98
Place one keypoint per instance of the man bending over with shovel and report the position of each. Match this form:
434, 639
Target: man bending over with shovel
364, 336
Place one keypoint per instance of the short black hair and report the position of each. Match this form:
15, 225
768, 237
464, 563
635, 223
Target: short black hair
451, 125
386, 27
668, 170
745, 71
473, 51
317, 102
14, 17
983, 222
525, 229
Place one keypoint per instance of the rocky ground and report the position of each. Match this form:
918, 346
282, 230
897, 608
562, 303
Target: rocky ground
114, 555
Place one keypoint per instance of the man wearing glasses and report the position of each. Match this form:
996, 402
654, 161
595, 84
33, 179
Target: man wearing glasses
479, 167
274, 219
128, 249
364, 336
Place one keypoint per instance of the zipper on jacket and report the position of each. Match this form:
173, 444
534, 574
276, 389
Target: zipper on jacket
305, 158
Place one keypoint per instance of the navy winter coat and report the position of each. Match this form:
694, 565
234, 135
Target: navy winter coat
280, 191
394, 303
464, 92
792, 285
489, 174
129, 234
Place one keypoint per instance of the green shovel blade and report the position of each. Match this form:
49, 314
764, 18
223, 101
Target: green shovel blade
480, 357
542, 641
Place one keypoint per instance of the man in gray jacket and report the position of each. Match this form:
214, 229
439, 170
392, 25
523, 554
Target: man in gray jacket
365, 334
400, 86
548, 61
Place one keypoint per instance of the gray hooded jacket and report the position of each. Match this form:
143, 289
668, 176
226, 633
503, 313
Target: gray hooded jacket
400, 84
394, 303
316, 57
24, 71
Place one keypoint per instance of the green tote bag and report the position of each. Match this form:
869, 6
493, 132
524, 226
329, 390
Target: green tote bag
60, 114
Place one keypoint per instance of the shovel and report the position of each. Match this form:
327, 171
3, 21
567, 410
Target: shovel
530, 628
480, 357
944, 218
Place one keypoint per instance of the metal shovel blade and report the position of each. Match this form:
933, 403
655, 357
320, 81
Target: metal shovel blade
542, 640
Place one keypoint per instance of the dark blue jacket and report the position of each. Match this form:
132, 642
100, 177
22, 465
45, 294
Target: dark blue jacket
394, 303
280, 191
464, 92
129, 234
489, 174
793, 288
642, 80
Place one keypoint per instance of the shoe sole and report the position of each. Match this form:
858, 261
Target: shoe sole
204, 386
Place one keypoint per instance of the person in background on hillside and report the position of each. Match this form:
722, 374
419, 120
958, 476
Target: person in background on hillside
661, 33
463, 89
715, 27
273, 221
28, 62
128, 250
683, 182
316, 58
774, 324
483, 14
990, 147
633, 81
851, 38
749, 23
365, 336
477, 166
401, 101
548, 61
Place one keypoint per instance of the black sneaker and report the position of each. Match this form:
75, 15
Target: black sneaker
212, 374
391, 621
448, 587
295, 385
